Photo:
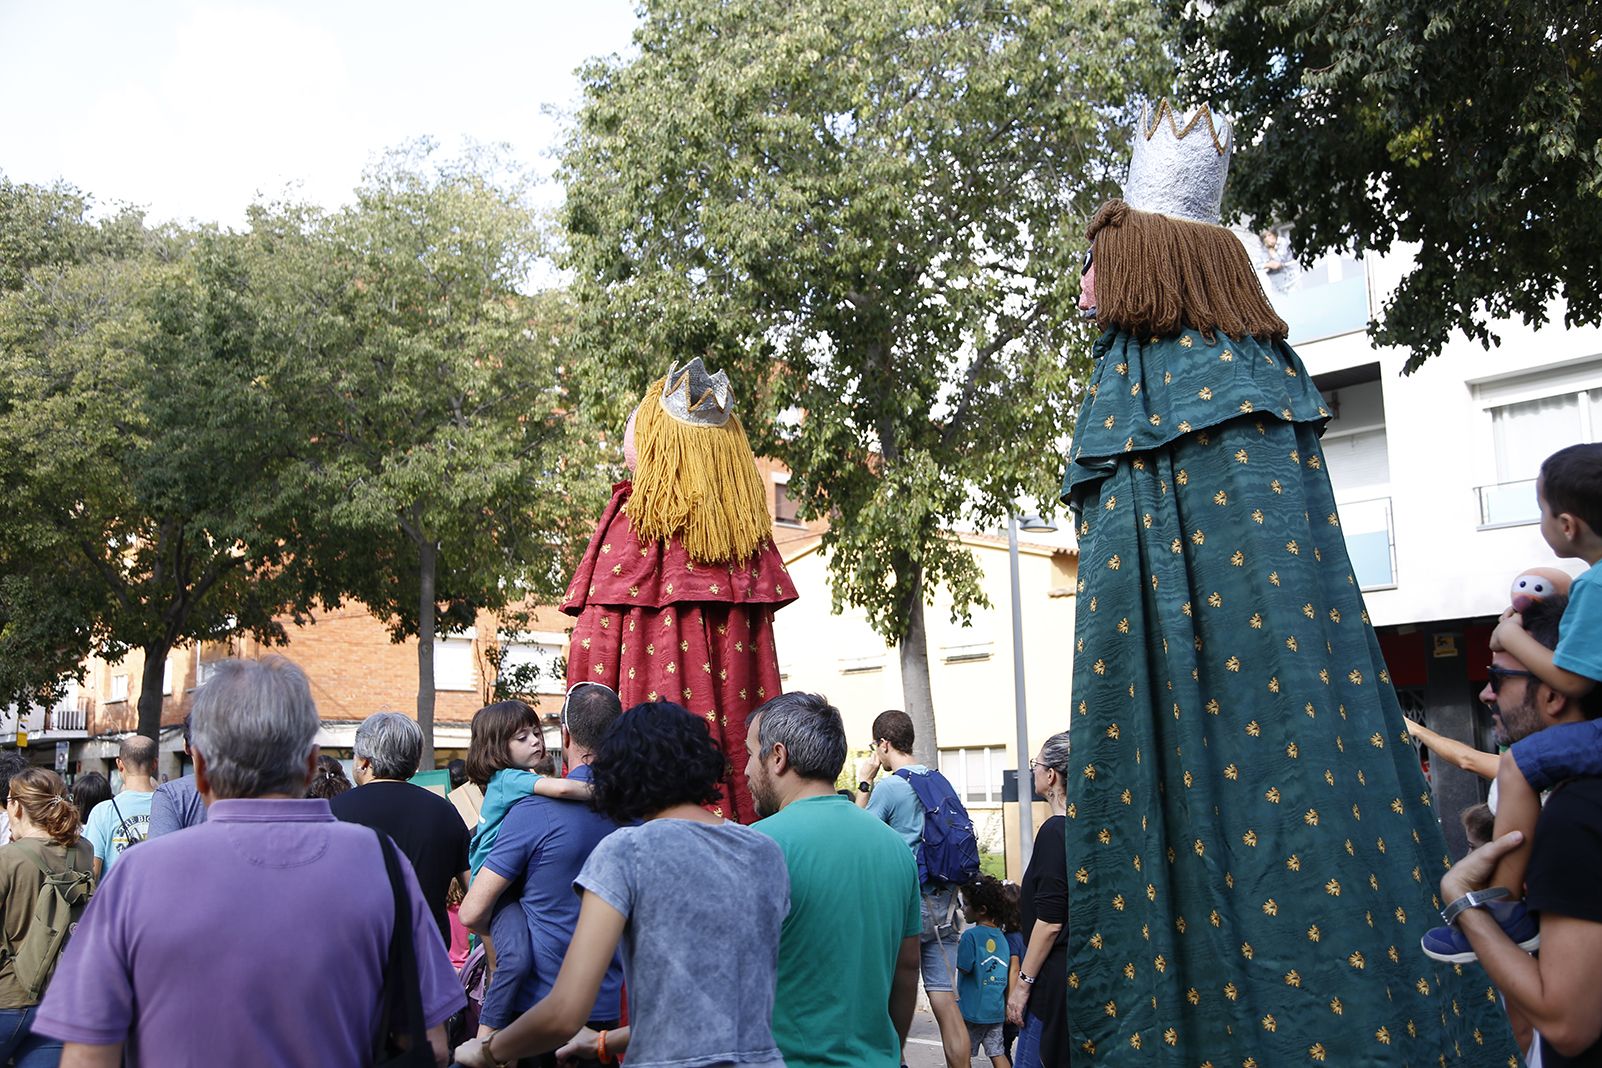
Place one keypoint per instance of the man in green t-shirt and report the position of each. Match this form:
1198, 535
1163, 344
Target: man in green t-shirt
848, 952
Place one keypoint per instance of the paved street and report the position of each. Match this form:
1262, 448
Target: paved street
923, 1044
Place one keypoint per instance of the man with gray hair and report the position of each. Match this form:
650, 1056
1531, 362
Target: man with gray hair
849, 948
261, 936
424, 825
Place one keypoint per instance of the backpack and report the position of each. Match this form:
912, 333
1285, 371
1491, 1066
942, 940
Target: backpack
949, 852
61, 900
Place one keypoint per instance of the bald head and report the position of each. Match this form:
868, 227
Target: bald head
138, 755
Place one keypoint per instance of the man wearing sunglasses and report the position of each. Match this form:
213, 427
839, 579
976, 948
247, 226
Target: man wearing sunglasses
1559, 992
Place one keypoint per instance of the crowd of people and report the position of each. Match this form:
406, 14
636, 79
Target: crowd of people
622, 914
619, 914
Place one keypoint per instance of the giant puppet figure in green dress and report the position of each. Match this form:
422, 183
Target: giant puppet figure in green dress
1253, 850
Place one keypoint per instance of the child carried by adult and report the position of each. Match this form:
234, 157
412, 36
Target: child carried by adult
505, 747
1569, 492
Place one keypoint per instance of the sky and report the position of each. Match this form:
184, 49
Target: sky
194, 109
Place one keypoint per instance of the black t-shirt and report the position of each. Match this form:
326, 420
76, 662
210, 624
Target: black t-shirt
1565, 876
1043, 897
425, 827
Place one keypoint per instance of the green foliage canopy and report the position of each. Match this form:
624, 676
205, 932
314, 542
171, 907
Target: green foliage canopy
449, 465
871, 212
144, 465
1471, 127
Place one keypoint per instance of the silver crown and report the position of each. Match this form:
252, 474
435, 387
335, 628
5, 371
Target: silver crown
694, 395
1178, 168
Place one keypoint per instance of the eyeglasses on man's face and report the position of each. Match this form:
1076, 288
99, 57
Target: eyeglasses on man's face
1498, 675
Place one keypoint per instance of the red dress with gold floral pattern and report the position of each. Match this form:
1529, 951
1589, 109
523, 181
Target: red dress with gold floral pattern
655, 625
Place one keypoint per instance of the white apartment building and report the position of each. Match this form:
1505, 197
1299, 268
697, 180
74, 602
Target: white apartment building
1434, 473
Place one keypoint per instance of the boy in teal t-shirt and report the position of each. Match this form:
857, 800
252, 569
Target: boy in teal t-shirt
983, 958
1571, 524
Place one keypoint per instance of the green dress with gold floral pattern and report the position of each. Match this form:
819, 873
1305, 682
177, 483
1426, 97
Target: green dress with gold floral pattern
1252, 846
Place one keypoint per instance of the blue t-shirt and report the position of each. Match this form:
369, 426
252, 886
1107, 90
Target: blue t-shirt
1015, 944
894, 801
1579, 647
982, 974
176, 805
506, 788
116, 824
544, 842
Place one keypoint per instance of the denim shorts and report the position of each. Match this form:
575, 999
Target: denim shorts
1566, 751
937, 944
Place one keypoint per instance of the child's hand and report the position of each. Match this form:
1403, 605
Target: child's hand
1511, 620
580, 1046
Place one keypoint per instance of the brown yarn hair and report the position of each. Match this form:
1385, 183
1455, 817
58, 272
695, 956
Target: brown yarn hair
1156, 276
44, 800
489, 747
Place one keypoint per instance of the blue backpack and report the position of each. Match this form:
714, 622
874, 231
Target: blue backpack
950, 851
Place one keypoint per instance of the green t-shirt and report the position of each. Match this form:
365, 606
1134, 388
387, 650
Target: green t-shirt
853, 898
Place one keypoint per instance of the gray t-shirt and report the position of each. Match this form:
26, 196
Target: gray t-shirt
705, 903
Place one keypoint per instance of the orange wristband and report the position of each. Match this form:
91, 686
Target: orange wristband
601, 1053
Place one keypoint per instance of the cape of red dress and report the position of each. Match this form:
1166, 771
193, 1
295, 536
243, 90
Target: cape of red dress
655, 625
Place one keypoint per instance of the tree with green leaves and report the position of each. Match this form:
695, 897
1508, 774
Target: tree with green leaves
454, 474
1472, 128
147, 506
872, 214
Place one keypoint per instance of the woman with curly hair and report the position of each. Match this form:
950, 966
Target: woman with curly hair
705, 1000
45, 846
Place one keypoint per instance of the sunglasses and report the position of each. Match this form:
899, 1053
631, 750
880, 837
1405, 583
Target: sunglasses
572, 689
1499, 675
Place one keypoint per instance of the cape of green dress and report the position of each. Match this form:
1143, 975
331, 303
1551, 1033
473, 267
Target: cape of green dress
1252, 846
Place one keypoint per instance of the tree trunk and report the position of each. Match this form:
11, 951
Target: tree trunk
915, 689
150, 697
427, 560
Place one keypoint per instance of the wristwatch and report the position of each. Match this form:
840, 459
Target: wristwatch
1474, 899
864, 787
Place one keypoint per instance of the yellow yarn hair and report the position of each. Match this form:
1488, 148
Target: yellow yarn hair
697, 482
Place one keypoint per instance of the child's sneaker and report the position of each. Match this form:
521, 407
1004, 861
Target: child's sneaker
1447, 943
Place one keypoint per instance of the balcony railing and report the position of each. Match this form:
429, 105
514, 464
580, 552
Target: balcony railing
1324, 311
1508, 504
1370, 542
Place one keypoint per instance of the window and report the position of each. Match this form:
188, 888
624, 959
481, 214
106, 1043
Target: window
1522, 435
785, 510
964, 652
1370, 542
119, 687
538, 654
166, 678
861, 665
453, 663
975, 773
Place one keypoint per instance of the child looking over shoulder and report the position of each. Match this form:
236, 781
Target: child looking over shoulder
506, 745
983, 967
501, 759
1569, 491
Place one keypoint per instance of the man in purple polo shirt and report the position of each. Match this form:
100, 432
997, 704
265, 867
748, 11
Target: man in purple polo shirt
258, 937
544, 842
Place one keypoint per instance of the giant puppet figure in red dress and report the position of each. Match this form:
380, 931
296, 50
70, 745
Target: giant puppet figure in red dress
676, 593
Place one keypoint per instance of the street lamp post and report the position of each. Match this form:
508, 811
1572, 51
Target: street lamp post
1034, 524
